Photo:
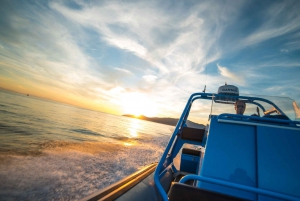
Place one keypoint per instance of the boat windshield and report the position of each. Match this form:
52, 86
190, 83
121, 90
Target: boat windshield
215, 104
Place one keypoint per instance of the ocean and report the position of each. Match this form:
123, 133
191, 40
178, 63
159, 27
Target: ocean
55, 151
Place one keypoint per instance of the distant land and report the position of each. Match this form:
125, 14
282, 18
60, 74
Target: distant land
10, 90
165, 120
43, 98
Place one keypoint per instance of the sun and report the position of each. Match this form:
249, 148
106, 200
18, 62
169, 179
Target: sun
138, 104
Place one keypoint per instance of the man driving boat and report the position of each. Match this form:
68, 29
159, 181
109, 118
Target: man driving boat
240, 107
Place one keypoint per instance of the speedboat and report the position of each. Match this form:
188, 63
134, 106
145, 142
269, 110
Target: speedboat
250, 156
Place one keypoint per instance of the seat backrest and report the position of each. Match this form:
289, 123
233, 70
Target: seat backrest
278, 158
253, 154
194, 134
230, 155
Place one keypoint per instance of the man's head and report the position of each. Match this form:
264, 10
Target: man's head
240, 107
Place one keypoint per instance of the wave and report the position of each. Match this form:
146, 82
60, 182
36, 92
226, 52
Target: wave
70, 171
87, 132
84, 147
22, 106
67, 156
58, 147
6, 112
13, 129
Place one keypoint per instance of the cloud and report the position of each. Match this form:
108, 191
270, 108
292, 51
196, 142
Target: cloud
48, 55
124, 70
292, 45
150, 78
176, 40
226, 73
153, 47
127, 44
271, 21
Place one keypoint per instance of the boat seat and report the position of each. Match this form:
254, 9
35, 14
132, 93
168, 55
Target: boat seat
190, 160
188, 135
194, 134
179, 192
193, 152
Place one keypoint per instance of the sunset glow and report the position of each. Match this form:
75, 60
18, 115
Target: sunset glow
149, 57
138, 104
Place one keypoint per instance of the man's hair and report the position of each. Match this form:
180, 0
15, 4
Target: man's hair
239, 101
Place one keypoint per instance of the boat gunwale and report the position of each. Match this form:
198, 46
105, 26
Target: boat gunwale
116, 189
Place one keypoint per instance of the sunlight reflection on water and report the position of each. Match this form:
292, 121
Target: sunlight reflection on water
53, 151
134, 126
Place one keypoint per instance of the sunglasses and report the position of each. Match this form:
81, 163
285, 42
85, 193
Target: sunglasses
240, 106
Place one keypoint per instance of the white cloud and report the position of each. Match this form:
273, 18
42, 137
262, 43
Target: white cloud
174, 42
49, 55
150, 78
279, 19
168, 40
284, 50
232, 76
128, 44
124, 70
275, 88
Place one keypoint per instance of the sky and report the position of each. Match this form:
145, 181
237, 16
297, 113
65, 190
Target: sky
148, 57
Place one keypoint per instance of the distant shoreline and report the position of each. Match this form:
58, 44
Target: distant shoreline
164, 120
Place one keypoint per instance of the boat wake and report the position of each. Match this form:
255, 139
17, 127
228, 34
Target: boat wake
70, 171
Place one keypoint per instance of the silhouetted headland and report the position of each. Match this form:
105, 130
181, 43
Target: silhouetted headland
165, 120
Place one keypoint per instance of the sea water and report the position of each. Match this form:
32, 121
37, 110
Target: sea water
54, 151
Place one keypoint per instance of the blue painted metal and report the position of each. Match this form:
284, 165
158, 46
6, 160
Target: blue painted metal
189, 163
260, 119
278, 158
238, 186
162, 160
243, 149
180, 143
230, 156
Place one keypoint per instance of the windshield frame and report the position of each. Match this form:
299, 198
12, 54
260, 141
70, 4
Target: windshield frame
231, 99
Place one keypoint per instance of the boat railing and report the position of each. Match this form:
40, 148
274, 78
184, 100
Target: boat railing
231, 99
164, 163
226, 116
237, 186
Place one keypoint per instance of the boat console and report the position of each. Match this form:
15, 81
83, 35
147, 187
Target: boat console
236, 157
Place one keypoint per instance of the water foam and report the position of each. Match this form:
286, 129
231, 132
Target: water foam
70, 171
53, 151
